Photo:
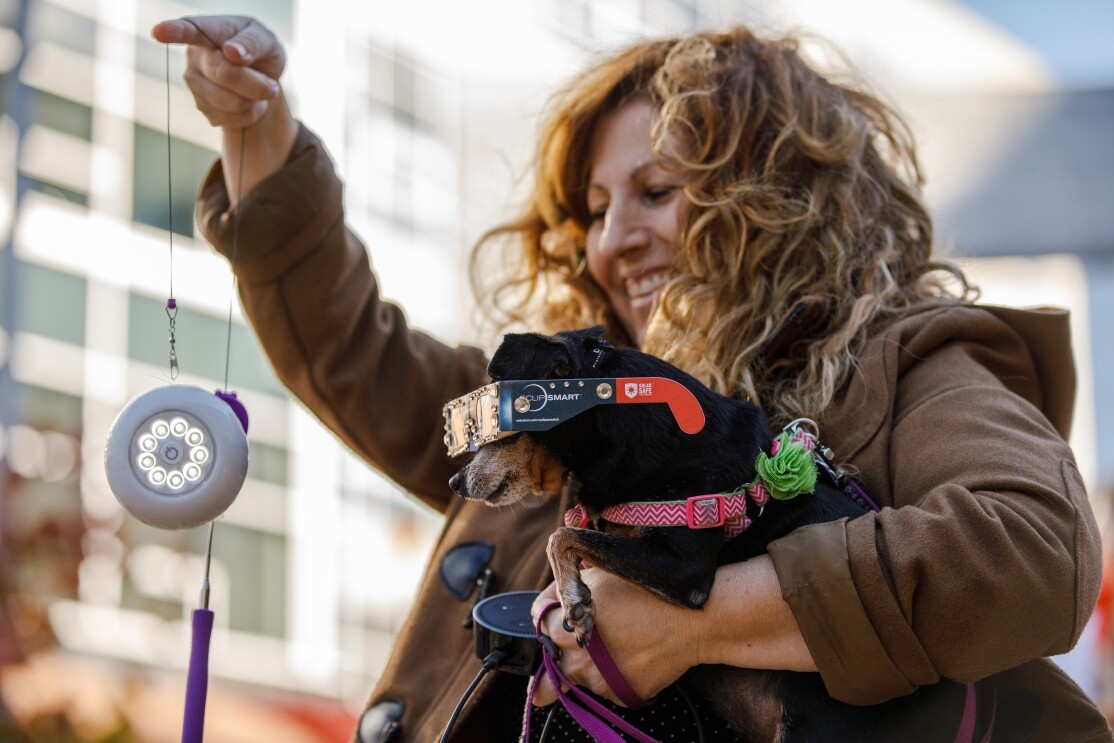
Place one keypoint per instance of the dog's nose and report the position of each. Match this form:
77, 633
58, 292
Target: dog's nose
456, 482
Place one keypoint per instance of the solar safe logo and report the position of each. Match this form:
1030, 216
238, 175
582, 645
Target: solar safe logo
638, 389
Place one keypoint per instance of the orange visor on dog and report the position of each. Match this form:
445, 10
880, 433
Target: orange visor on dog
508, 407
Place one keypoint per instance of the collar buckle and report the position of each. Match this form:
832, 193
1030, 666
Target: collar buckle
705, 511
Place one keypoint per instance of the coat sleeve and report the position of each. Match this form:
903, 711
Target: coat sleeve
986, 553
307, 287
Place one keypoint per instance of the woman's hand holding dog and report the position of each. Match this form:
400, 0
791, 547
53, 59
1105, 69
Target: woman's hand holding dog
634, 623
745, 623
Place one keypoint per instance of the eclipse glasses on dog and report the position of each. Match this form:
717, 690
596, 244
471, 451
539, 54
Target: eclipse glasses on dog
512, 406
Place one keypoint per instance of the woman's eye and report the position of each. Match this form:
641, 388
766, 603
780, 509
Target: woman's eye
660, 193
597, 215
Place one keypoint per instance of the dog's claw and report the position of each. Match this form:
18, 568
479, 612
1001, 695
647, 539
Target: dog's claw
582, 625
579, 619
584, 629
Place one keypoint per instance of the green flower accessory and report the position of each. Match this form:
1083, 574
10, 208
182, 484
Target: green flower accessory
790, 471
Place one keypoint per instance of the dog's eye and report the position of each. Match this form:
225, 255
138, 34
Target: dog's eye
561, 369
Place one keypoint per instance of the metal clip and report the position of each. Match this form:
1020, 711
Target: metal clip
172, 314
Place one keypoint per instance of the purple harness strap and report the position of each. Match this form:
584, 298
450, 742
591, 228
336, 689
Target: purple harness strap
966, 732
605, 664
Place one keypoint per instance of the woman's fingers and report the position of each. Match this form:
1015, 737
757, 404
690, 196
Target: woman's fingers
175, 32
211, 30
221, 106
232, 66
213, 67
252, 44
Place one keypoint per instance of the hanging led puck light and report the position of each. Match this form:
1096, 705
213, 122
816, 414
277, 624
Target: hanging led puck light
177, 456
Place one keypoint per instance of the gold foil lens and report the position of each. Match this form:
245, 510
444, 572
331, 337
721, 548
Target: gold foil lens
472, 420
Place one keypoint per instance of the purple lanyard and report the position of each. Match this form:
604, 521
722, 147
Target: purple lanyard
592, 716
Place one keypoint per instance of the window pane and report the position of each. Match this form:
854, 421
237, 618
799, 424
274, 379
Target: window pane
58, 192
267, 463
48, 22
62, 114
189, 164
50, 303
251, 565
256, 564
45, 410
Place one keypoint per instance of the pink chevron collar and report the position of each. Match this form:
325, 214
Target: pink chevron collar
728, 510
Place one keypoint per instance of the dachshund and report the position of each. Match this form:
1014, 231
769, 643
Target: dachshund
618, 454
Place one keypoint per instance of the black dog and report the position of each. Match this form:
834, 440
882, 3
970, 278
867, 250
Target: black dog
625, 453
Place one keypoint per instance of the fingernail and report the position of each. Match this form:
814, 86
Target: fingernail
241, 51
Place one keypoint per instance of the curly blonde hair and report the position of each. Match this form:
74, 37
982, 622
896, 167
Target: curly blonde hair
801, 188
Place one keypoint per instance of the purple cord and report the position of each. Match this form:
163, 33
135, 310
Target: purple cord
197, 680
593, 717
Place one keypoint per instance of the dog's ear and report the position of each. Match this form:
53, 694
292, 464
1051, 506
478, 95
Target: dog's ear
587, 348
530, 356
596, 331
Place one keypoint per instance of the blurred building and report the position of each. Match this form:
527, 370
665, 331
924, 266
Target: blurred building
430, 110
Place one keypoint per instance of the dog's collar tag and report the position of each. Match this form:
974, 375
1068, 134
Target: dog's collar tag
599, 352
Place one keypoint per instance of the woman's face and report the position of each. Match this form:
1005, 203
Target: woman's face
636, 205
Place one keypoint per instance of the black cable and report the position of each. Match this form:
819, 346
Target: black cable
684, 696
548, 719
695, 714
494, 658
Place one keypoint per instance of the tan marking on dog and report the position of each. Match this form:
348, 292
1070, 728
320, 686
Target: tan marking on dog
511, 470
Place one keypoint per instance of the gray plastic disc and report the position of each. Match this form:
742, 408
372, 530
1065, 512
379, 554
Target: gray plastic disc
176, 457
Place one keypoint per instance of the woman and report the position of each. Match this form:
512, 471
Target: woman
718, 203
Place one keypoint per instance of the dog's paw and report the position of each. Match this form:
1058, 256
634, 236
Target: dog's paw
580, 619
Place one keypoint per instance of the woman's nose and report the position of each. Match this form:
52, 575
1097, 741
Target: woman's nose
623, 230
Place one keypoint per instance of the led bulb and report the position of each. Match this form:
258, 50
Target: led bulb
176, 456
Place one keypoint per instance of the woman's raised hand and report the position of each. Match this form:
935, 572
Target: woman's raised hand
233, 67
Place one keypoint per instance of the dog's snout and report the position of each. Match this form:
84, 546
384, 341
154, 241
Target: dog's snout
458, 484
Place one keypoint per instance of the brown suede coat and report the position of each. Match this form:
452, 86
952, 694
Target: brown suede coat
984, 557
